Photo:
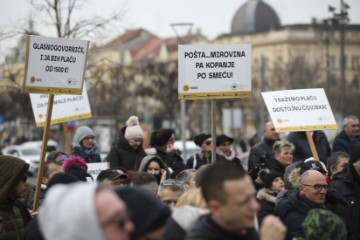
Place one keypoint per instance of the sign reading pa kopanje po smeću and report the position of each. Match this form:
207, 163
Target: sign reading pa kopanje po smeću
54, 65
214, 71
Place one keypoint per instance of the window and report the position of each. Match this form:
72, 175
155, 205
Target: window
355, 62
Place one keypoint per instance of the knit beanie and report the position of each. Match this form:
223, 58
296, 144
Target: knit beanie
61, 178
148, 213
321, 224
160, 137
269, 178
354, 151
222, 139
200, 138
81, 133
133, 129
56, 157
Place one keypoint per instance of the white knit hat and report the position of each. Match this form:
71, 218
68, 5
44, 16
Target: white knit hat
133, 129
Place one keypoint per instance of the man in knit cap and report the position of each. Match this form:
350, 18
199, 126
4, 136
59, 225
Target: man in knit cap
84, 145
347, 184
128, 150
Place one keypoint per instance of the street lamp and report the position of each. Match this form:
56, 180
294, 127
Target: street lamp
342, 19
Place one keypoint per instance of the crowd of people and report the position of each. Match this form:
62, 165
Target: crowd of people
281, 192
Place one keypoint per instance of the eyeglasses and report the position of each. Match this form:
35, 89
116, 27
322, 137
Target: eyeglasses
317, 187
89, 138
169, 202
207, 142
120, 222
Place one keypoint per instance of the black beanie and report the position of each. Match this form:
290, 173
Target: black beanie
147, 212
160, 137
61, 178
354, 151
222, 139
200, 138
269, 178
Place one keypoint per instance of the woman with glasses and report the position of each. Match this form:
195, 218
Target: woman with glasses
84, 145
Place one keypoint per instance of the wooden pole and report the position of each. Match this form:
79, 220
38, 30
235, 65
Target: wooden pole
67, 139
213, 131
43, 151
312, 145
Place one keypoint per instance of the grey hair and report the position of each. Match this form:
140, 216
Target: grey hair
184, 176
348, 118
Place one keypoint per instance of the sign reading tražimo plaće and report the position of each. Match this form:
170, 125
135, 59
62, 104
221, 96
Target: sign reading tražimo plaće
54, 65
214, 71
300, 110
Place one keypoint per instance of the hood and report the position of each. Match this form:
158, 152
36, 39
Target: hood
80, 134
12, 170
289, 183
69, 212
145, 162
294, 178
185, 216
266, 194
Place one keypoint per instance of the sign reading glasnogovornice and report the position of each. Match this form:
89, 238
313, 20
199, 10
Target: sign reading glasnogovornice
54, 65
299, 110
214, 71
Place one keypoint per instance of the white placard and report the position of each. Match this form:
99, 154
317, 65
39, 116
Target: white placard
300, 110
65, 107
214, 71
95, 168
54, 65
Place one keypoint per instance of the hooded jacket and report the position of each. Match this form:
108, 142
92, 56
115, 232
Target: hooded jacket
123, 155
145, 163
70, 213
14, 212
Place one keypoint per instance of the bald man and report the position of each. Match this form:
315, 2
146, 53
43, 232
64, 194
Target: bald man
309, 195
261, 153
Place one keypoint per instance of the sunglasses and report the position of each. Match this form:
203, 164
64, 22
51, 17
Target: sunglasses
208, 142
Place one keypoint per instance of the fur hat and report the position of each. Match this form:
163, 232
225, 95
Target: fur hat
200, 138
222, 139
354, 151
269, 178
133, 129
81, 133
321, 224
160, 137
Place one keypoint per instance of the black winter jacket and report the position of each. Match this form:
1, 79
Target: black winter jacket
123, 155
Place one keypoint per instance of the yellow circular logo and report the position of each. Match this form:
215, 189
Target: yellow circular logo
41, 116
279, 120
186, 88
32, 79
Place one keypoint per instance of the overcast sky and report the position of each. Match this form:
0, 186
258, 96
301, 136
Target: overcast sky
213, 17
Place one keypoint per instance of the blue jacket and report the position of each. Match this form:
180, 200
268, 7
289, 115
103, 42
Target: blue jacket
292, 212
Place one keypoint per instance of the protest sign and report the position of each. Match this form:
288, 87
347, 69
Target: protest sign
54, 65
65, 107
95, 168
299, 110
214, 71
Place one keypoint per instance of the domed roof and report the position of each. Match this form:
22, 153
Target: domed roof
254, 16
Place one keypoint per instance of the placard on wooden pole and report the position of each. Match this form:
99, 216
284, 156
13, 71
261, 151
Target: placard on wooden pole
43, 152
312, 146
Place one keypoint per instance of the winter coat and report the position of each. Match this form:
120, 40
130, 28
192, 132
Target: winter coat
14, 212
30, 198
181, 221
275, 166
260, 152
206, 229
292, 211
123, 155
194, 162
90, 157
341, 143
302, 149
173, 160
229, 159
347, 184
266, 199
